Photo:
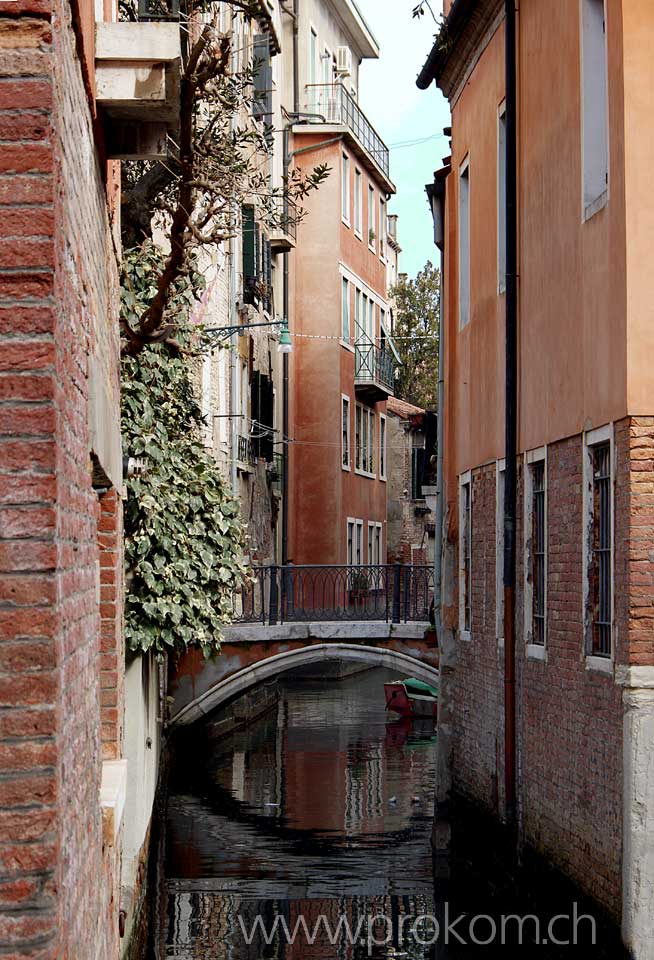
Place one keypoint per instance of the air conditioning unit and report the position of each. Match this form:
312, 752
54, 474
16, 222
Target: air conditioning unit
344, 61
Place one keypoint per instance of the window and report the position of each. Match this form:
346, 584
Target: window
598, 546
358, 542
374, 543
499, 551
313, 70
345, 309
357, 314
357, 437
357, 202
465, 555
345, 188
371, 217
417, 472
535, 525
350, 542
382, 446
262, 79
345, 445
594, 97
382, 227
370, 468
464, 245
501, 199
364, 440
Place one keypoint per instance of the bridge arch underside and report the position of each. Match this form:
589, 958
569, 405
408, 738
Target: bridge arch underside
420, 663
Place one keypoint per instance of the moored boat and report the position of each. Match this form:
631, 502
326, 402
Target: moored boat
411, 698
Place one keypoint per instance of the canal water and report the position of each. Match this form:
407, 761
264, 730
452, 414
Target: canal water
306, 835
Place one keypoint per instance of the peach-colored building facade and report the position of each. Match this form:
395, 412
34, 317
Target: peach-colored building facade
341, 369
585, 427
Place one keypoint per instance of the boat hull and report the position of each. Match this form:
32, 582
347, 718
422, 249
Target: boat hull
405, 703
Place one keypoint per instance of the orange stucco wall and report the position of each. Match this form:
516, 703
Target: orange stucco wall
638, 44
575, 280
321, 494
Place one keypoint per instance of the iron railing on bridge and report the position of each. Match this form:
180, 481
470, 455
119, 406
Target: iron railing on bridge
396, 593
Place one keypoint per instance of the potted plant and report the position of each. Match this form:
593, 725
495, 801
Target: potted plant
359, 587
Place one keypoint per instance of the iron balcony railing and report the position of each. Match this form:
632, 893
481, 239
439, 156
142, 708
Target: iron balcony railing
395, 593
337, 105
245, 451
372, 364
284, 214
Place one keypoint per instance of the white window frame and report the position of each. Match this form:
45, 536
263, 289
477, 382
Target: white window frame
501, 198
533, 651
383, 441
350, 527
345, 308
313, 68
368, 448
379, 542
358, 446
358, 203
500, 479
358, 543
383, 229
465, 479
595, 153
345, 189
371, 542
372, 218
345, 400
593, 438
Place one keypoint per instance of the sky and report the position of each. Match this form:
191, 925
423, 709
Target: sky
389, 97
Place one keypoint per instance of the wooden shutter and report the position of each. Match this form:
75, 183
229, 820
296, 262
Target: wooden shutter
249, 253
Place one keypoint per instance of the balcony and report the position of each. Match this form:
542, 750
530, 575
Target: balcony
337, 106
373, 372
283, 228
245, 453
137, 75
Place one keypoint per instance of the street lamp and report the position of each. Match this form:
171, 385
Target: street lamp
222, 334
285, 344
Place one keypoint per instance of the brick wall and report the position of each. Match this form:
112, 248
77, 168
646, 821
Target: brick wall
58, 885
569, 718
477, 693
571, 724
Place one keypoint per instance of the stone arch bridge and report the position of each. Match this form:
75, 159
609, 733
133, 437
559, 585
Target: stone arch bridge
300, 615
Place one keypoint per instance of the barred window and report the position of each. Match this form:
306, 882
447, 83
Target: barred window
539, 546
600, 566
465, 556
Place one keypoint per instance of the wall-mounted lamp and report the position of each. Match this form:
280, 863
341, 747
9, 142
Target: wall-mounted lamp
221, 334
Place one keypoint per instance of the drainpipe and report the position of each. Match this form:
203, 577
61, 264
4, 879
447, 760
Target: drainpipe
296, 58
511, 418
436, 194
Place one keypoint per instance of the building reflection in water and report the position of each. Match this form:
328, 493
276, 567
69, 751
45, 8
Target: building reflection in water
316, 813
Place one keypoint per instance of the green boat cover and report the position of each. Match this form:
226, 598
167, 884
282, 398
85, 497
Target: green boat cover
419, 686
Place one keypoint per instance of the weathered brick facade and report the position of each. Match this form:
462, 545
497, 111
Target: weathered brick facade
570, 717
58, 350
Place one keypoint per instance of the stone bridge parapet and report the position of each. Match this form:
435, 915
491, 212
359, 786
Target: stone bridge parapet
253, 653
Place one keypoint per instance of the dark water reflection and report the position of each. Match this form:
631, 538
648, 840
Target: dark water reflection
320, 812
321, 808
